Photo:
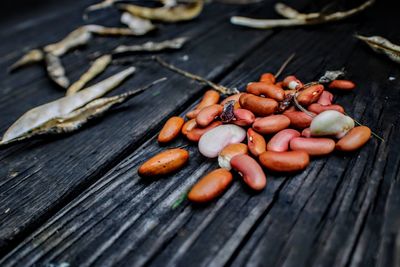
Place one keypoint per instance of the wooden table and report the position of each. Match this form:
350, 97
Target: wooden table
77, 199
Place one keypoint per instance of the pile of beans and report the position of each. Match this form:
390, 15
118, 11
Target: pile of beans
259, 130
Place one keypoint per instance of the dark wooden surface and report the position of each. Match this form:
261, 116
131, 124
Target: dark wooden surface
77, 198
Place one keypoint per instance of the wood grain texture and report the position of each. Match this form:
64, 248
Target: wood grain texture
342, 211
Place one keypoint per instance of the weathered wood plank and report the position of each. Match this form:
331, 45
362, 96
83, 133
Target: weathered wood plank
41, 176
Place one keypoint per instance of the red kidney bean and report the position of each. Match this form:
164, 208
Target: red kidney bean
325, 99
195, 134
271, 124
252, 173
342, 85
289, 161
260, 106
170, 130
208, 114
310, 94
306, 132
188, 126
354, 139
298, 119
313, 146
255, 142
164, 163
210, 97
235, 98
280, 141
266, 89
267, 78
210, 186
243, 117
318, 108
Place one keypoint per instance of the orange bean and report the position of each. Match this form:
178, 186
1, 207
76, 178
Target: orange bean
188, 126
292, 83
310, 94
298, 119
195, 134
225, 156
313, 146
354, 139
252, 173
192, 114
289, 92
306, 132
318, 108
279, 84
208, 114
170, 130
260, 106
164, 163
243, 117
325, 99
235, 98
289, 161
210, 186
266, 89
280, 141
210, 97
267, 78
271, 124
255, 142
342, 85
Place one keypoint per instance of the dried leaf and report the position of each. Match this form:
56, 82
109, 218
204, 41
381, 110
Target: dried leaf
176, 43
76, 119
98, 66
220, 88
56, 70
227, 114
32, 56
382, 45
77, 37
101, 30
40, 115
138, 25
165, 14
297, 18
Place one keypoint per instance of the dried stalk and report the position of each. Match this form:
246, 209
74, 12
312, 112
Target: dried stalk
98, 66
39, 116
176, 43
284, 65
382, 45
219, 88
32, 56
295, 18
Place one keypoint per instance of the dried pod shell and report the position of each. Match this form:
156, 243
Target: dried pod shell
56, 70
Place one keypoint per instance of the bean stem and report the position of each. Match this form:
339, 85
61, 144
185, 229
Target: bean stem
284, 65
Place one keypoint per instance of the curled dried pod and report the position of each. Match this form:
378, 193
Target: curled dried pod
243, 117
267, 78
289, 161
170, 130
271, 124
266, 89
354, 139
208, 114
310, 94
260, 106
195, 134
210, 186
255, 142
213, 141
331, 122
342, 85
225, 156
252, 173
313, 146
292, 83
164, 163
318, 108
280, 141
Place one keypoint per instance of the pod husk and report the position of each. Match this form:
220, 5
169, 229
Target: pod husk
382, 45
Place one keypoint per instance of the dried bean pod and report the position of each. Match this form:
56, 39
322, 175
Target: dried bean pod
208, 114
255, 142
290, 161
260, 106
210, 186
164, 163
313, 146
271, 124
252, 173
280, 141
354, 139
170, 130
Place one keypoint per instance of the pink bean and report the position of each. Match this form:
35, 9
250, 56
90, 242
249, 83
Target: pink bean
280, 141
306, 133
325, 99
253, 174
243, 117
313, 146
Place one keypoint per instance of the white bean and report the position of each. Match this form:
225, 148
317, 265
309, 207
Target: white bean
331, 122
